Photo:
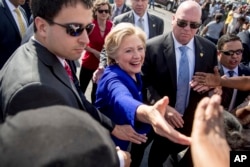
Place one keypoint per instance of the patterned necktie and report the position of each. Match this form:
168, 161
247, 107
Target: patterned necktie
141, 23
68, 70
21, 24
227, 93
183, 82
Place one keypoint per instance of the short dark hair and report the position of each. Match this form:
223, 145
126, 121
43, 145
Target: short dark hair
226, 38
48, 9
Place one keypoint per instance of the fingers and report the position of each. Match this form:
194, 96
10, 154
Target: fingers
216, 70
213, 108
138, 138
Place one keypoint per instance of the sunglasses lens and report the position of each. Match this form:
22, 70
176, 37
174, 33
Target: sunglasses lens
74, 29
238, 52
231, 52
89, 28
182, 23
77, 29
101, 11
194, 25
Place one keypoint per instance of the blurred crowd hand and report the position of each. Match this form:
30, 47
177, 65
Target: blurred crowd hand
126, 132
207, 79
208, 137
126, 157
97, 74
174, 118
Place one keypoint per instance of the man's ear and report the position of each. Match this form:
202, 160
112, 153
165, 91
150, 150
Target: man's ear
41, 26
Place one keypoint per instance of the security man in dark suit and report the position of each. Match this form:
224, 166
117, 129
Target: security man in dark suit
152, 25
10, 30
163, 76
230, 50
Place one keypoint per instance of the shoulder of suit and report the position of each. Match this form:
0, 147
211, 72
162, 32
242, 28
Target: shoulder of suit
152, 16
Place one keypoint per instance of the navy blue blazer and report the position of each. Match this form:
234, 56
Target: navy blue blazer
241, 95
10, 38
155, 23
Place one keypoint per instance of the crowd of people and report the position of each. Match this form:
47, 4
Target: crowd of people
185, 91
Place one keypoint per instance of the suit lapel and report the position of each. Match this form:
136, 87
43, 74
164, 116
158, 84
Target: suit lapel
171, 59
56, 67
10, 17
151, 26
199, 56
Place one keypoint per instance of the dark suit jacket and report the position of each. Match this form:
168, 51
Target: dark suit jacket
125, 8
241, 95
35, 78
160, 76
245, 39
155, 24
10, 38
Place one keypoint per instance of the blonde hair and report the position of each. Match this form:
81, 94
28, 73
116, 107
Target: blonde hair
116, 36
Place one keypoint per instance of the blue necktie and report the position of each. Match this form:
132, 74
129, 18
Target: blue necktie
183, 82
227, 94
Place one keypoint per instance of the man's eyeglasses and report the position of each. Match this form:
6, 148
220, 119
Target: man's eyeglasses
101, 11
232, 52
75, 29
184, 23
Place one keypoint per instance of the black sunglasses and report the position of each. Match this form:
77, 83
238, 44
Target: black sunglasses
184, 23
232, 52
75, 29
101, 11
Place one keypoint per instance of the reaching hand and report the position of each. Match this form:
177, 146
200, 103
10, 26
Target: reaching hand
97, 74
208, 79
162, 127
208, 135
174, 118
126, 132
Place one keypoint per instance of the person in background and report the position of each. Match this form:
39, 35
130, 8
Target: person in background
43, 77
14, 23
151, 3
213, 30
151, 24
119, 90
245, 39
163, 75
91, 55
119, 7
230, 51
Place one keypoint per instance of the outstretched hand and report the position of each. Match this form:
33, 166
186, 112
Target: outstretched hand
208, 79
208, 135
162, 127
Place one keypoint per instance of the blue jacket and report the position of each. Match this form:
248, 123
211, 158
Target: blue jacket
118, 97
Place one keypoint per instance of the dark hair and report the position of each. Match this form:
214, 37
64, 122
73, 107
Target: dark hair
218, 17
226, 38
48, 9
234, 132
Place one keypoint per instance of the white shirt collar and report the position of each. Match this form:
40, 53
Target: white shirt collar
236, 72
136, 17
190, 44
11, 6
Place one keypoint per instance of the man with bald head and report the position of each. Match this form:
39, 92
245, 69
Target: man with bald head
170, 62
